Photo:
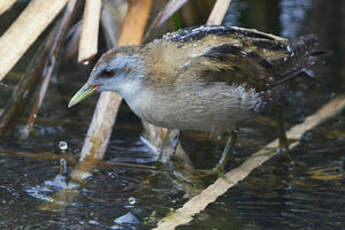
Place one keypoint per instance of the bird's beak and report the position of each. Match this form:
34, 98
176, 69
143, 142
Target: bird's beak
83, 93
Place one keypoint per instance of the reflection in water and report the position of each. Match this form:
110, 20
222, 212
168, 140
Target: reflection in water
293, 14
232, 17
288, 197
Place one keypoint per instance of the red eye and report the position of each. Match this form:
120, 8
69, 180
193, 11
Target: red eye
107, 73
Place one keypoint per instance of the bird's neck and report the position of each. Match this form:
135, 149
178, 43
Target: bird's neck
138, 97
131, 89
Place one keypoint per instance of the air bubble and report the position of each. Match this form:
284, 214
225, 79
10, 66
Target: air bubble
132, 200
63, 146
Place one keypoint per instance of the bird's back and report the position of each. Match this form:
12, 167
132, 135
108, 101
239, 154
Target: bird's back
240, 56
211, 78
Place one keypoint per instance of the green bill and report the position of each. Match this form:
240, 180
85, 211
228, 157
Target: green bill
83, 93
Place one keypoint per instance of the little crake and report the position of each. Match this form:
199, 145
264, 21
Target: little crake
207, 79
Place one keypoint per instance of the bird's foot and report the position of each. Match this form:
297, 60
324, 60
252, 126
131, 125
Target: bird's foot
219, 169
216, 171
284, 142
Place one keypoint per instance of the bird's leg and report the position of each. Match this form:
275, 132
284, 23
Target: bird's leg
170, 145
227, 153
283, 141
219, 169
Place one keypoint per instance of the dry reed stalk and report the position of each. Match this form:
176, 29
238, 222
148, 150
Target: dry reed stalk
71, 160
221, 185
5, 5
218, 12
103, 119
50, 65
113, 14
39, 156
29, 81
25, 30
136, 20
88, 45
169, 9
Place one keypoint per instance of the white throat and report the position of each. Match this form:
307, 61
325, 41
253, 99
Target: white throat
130, 89
137, 97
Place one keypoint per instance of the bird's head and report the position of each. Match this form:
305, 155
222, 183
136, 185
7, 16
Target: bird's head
119, 70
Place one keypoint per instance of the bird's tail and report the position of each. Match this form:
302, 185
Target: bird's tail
304, 54
307, 47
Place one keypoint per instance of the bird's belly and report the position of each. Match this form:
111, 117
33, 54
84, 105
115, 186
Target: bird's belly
215, 108
186, 117
197, 123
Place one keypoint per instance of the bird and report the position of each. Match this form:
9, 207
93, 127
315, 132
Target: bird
206, 78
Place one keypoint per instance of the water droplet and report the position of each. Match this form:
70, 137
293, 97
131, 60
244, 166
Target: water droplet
63, 161
63, 171
93, 222
131, 200
243, 53
3, 85
128, 218
280, 150
288, 48
86, 62
85, 175
26, 92
63, 146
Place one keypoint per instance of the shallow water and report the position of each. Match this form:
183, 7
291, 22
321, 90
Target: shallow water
302, 190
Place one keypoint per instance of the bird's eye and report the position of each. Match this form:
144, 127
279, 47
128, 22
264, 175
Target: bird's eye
107, 73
